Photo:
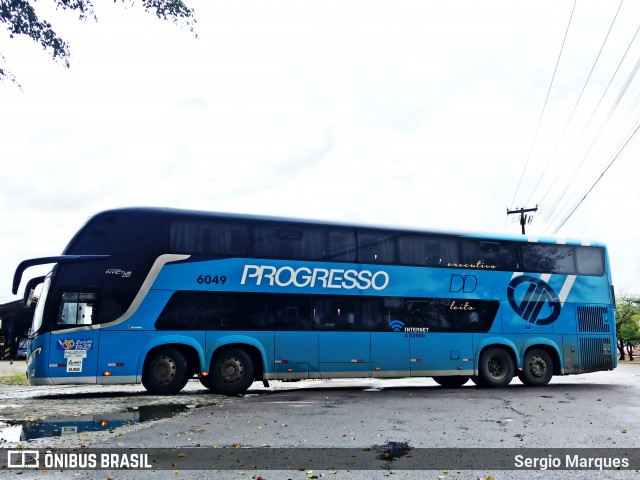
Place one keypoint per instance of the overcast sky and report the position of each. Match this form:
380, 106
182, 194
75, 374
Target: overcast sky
404, 113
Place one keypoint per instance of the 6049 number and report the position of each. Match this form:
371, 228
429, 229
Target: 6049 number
208, 279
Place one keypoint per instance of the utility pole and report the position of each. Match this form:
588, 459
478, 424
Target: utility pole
523, 217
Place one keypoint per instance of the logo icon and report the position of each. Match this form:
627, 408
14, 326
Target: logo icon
539, 303
396, 325
66, 344
23, 459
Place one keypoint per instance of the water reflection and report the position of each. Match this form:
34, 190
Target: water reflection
57, 426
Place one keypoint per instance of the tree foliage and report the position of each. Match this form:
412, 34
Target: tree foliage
21, 18
627, 324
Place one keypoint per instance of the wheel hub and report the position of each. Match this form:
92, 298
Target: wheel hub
231, 370
164, 370
537, 367
496, 368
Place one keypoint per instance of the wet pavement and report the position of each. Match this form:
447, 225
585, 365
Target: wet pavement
592, 410
28, 413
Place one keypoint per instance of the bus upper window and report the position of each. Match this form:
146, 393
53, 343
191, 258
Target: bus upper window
77, 308
304, 243
489, 255
425, 250
377, 247
210, 238
590, 261
342, 246
547, 258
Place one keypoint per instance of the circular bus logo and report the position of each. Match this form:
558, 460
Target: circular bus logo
540, 303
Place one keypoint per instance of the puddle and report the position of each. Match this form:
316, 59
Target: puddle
57, 426
391, 451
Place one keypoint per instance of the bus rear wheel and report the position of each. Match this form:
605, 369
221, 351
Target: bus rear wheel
206, 382
496, 367
537, 368
232, 371
165, 371
453, 381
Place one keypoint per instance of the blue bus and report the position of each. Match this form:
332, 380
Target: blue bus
160, 296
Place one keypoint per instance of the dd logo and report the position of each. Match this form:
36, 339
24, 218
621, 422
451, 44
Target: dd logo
466, 284
537, 295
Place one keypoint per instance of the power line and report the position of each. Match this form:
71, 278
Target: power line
598, 179
584, 87
545, 103
588, 123
601, 130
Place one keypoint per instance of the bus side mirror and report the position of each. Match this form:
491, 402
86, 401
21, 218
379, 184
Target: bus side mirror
0, 324
29, 298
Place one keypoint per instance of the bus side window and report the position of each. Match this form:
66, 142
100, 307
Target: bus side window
372, 313
475, 315
336, 313
395, 314
289, 312
77, 308
429, 313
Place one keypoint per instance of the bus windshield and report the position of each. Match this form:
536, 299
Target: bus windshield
38, 315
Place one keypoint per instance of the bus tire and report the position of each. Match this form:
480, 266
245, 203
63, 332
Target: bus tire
496, 367
453, 381
232, 371
479, 382
537, 368
165, 371
206, 382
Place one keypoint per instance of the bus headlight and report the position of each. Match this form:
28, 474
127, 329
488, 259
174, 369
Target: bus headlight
33, 355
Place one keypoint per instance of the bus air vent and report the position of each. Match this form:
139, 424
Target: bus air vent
596, 354
592, 319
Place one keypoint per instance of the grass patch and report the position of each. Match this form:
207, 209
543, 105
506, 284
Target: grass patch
15, 379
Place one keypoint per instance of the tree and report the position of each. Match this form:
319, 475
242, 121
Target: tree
21, 19
627, 326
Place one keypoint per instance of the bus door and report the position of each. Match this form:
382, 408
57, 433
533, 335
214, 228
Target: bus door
73, 352
296, 344
437, 349
344, 343
390, 344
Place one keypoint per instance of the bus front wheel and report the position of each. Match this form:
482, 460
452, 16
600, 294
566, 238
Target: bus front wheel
537, 368
496, 367
451, 381
165, 371
232, 371
479, 382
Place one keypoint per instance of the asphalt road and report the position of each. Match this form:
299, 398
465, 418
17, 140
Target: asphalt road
598, 410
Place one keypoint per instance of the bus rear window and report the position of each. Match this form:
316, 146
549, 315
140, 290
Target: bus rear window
564, 259
590, 261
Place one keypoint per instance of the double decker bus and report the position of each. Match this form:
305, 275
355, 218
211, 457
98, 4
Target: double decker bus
160, 296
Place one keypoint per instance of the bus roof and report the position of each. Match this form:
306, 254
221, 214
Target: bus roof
174, 214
